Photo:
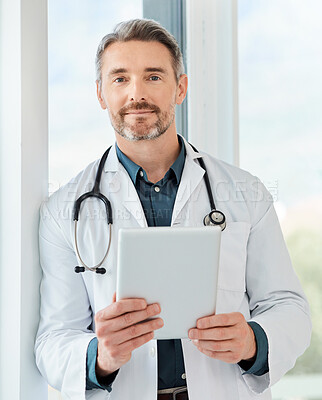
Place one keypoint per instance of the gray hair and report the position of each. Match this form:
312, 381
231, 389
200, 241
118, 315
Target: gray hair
146, 30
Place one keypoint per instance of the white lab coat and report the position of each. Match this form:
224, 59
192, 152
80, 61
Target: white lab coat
255, 278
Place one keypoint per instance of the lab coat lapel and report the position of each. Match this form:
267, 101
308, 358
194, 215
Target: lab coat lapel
131, 200
191, 176
124, 189
126, 193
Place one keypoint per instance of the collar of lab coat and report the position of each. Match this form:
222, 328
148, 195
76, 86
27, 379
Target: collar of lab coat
112, 163
191, 176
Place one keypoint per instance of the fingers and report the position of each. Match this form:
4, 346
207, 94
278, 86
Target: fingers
129, 346
122, 327
228, 350
127, 324
135, 331
212, 321
133, 318
121, 307
110, 326
216, 346
226, 337
226, 356
213, 333
218, 327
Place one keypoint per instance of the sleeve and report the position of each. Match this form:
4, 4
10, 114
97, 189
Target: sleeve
276, 300
258, 366
91, 379
64, 330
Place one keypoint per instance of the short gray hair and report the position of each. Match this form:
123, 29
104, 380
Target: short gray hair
146, 30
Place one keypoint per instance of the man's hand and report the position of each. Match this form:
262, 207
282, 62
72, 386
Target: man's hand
120, 329
227, 337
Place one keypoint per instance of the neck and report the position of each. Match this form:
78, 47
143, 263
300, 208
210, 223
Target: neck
155, 156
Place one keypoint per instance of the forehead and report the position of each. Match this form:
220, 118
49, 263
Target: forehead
136, 54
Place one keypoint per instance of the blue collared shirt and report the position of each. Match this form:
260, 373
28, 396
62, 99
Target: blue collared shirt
157, 200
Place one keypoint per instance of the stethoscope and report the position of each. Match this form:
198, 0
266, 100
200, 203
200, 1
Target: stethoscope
214, 218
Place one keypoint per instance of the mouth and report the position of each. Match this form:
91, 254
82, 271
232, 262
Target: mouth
139, 112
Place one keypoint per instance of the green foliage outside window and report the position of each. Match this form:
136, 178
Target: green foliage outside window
305, 247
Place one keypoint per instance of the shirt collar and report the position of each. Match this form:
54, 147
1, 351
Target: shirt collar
177, 166
130, 166
133, 169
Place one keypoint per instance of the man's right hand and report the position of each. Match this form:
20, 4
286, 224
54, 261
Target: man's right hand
120, 329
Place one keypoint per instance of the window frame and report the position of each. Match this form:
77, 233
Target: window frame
172, 15
24, 182
213, 106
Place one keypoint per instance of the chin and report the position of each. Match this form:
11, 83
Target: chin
135, 136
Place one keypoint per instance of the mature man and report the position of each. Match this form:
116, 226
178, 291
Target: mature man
90, 346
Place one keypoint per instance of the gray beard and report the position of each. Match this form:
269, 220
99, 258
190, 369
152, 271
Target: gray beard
152, 133
129, 132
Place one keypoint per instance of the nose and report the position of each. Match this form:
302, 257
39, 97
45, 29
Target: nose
137, 91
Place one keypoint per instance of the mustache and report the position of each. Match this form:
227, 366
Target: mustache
139, 106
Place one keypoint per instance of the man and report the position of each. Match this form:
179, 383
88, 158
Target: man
90, 346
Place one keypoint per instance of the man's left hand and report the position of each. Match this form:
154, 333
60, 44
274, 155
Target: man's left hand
227, 337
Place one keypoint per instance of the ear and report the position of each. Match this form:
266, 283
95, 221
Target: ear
100, 96
182, 88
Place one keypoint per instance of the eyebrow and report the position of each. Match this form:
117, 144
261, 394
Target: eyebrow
116, 71
156, 69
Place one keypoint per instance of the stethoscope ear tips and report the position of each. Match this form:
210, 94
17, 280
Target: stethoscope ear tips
79, 269
101, 271
215, 218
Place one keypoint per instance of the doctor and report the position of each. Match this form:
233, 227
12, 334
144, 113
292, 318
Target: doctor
88, 345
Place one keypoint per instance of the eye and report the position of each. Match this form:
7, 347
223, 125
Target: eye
155, 78
119, 80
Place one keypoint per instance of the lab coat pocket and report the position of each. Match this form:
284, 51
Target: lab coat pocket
232, 267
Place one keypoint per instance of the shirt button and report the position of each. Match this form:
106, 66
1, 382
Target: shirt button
157, 189
152, 351
141, 174
183, 376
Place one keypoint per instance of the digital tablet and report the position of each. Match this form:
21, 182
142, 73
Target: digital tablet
175, 267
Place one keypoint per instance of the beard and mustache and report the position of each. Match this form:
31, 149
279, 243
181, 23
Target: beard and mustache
140, 128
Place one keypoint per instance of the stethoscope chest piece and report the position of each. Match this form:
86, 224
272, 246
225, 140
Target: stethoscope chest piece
215, 218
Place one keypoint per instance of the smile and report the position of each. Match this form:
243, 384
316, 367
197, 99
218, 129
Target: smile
139, 112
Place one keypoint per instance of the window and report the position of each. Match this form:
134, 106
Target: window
79, 130
280, 80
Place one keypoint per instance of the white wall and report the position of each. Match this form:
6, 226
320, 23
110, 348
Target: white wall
23, 185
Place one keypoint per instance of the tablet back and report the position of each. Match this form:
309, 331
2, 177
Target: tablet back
175, 267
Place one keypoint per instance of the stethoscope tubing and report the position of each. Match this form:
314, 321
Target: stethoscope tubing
95, 267
219, 217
